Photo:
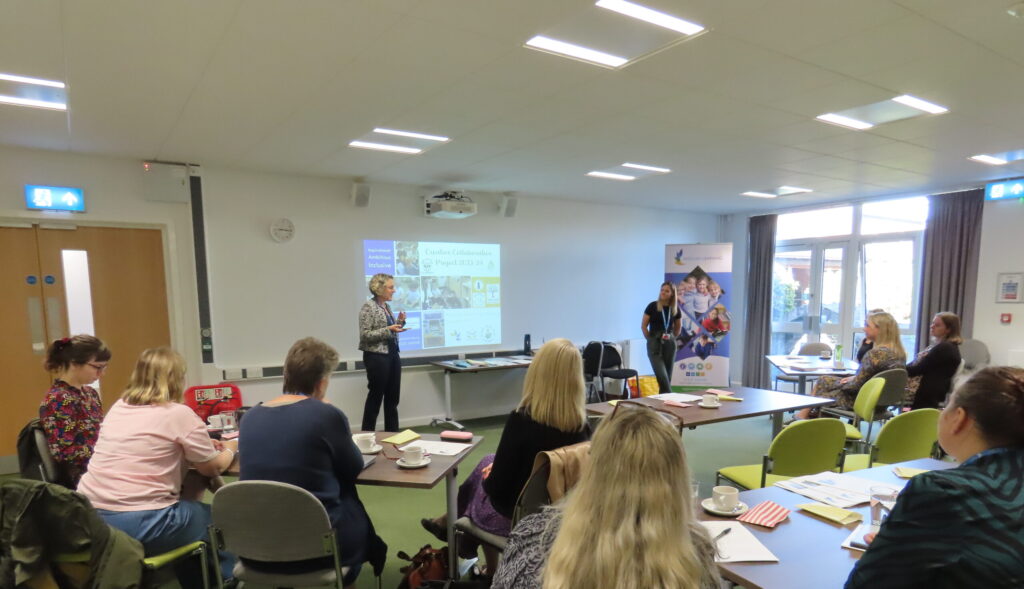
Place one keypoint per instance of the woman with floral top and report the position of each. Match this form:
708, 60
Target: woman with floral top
71, 412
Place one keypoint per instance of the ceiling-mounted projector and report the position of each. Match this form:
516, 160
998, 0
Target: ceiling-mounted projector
449, 205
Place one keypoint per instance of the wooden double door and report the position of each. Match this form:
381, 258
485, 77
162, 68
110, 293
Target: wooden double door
54, 279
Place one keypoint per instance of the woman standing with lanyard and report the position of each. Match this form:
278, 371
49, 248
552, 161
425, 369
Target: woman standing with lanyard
661, 325
378, 339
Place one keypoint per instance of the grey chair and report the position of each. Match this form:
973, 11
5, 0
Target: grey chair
274, 522
808, 349
975, 355
535, 494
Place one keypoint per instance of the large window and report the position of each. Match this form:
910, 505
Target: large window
834, 265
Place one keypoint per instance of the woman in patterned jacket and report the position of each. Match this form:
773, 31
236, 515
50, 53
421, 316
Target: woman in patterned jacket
962, 527
71, 412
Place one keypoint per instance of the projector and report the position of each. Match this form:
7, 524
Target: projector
449, 205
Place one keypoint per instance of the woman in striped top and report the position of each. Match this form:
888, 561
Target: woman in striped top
962, 527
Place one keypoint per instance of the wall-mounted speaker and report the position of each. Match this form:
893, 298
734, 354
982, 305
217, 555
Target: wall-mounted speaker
165, 182
508, 205
360, 194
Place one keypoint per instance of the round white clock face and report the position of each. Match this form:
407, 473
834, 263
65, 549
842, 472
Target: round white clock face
282, 230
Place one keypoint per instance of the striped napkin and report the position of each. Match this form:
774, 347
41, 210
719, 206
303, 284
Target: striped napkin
766, 513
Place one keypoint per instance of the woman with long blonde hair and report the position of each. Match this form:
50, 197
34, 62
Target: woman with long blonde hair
551, 415
147, 441
629, 522
887, 353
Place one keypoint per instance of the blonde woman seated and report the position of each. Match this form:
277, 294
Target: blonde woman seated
628, 524
551, 415
887, 353
147, 442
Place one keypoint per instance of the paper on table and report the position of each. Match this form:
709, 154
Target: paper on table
718, 392
440, 448
677, 397
401, 438
858, 537
672, 403
905, 472
839, 490
613, 402
739, 545
836, 514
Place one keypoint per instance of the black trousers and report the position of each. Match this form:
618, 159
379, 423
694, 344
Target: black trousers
384, 379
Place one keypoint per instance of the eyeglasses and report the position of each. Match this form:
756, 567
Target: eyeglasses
98, 367
670, 418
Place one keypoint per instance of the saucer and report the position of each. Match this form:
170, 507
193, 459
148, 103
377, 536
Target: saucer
715, 406
376, 448
403, 464
709, 506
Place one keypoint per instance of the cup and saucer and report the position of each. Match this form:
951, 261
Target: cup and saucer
403, 463
367, 443
372, 450
709, 401
711, 507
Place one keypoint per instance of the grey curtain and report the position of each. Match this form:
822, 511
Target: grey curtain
760, 256
949, 269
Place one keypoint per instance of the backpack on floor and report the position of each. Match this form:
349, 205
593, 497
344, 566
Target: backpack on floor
429, 564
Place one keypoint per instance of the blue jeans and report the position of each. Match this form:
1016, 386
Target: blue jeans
162, 530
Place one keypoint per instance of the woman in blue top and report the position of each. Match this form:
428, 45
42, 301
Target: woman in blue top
299, 439
962, 527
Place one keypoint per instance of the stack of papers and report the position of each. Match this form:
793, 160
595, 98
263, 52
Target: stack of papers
838, 490
739, 545
677, 397
440, 448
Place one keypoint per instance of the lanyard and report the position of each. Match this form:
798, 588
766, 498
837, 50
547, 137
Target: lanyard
665, 314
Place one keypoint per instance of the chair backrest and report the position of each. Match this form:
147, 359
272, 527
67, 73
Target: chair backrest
611, 355
34, 459
271, 521
975, 354
807, 447
813, 349
895, 390
867, 398
908, 436
534, 495
592, 359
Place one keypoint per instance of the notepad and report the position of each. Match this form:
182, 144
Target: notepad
835, 514
739, 545
401, 438
905, 472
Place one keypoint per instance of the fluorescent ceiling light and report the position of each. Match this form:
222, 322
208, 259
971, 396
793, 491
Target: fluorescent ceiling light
756, 194
611, 176
35, 81
844, 121
33, 103
584, 53
988, 159
787, 190
652, 16
410, 134
647, 168
914, 102
384, 147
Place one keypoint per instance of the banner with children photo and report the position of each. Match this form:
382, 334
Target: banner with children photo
702, 274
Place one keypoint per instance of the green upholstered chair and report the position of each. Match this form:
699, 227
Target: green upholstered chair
805, 447
155, 563
907, 436
864, 409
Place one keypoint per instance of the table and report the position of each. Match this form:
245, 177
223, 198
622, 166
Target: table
808, 547
804, 366
386, 473
755, 402
450, 368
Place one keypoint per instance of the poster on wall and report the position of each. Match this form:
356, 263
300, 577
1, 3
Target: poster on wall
702, 274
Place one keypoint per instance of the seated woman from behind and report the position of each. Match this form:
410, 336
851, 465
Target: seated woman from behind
300, 439
886, 354
629, 522
961, 527
931, 373
551, 415
147, 441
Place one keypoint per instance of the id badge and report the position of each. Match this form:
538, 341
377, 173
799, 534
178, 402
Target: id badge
665, 337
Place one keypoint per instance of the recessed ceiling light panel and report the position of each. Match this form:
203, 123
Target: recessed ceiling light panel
652, 16
33, 81
610, 176
384, 147
757, 194
988, 159
17, 101
787, 190
647, 168
844, 121
575, 51
914, 102
410, 134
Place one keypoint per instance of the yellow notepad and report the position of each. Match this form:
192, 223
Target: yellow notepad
728, 398
613, 402
905, 472
402, 438
836, 514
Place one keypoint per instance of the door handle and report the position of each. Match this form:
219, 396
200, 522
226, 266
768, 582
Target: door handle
35, 325
55, 319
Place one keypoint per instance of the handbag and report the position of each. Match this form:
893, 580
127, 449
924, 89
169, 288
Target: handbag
429, 564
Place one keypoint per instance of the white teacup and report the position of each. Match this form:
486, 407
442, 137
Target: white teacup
412, 454
725, 498
710, 399
825, 354
365, 441
216, 421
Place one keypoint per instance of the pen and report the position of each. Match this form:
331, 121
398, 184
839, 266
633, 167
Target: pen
720, 534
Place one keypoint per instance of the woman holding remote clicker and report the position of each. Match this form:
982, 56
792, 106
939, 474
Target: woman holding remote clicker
378, 339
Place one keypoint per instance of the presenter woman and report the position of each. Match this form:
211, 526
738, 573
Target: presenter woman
661, 325
378, 339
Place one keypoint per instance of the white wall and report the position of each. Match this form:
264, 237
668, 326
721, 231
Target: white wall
1001, 246
569, 269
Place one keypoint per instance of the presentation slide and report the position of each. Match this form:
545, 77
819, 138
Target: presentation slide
450, 292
